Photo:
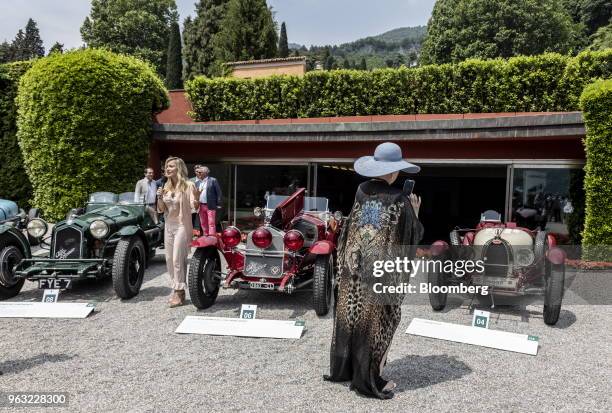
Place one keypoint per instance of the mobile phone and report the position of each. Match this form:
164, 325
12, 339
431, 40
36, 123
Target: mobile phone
408, 187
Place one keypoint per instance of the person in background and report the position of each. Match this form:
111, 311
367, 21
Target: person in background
176, 199
195, 213
147, 188
210, 200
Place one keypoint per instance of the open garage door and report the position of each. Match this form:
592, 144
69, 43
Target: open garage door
452, 195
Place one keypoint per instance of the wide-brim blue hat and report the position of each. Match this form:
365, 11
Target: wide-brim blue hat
387, 159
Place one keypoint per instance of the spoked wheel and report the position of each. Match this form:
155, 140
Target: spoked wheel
10, 256
128, 267
436, 279
553, 295
204, 278
322, 284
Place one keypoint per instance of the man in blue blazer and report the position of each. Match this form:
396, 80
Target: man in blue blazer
210, 200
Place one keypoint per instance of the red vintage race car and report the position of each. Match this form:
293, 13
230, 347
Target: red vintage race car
293, 249
507, 259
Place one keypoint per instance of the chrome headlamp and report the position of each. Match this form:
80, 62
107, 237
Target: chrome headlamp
99, 228
37, 228
524, 257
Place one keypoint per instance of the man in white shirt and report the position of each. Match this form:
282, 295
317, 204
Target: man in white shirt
147, 188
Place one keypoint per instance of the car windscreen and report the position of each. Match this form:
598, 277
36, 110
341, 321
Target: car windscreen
275, 200
311, 203
103, 197
131, 198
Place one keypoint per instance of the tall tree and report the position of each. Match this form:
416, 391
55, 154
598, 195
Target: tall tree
248, 32
57, 48
33, 44
363, 65
330, 63
18, 47
198, 37
283, 43
137, 27
412, 58
174, 65
460, 29
596, 14
602, 39
6, 52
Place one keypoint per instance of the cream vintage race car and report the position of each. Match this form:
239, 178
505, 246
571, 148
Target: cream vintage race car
515, 262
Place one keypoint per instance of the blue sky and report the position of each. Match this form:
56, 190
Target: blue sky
308, 21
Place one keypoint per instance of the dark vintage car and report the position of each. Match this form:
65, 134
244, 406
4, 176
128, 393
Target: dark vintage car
293, 249
15, 244
112, 236
515, 261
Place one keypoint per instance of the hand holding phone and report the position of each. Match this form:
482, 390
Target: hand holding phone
408, 187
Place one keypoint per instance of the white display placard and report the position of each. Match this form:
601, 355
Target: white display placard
502, 340
248, 311
239, 327
45, 310
51, 296
481, 319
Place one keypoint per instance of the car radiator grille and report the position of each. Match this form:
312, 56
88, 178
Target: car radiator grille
67, 243
497, 258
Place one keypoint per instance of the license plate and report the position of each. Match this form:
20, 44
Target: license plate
261, 286
54, 283
500, 282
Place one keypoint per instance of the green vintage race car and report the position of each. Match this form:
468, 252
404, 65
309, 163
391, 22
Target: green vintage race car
112, 236
14, 244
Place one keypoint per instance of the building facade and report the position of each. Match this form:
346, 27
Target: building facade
250, 69
520, 164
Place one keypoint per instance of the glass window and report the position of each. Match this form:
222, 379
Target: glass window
541, 198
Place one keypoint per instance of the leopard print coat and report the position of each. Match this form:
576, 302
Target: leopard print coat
381, 226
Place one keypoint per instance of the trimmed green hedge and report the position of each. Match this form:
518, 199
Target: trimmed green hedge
84, 123
596, 103
549, 82
14, 182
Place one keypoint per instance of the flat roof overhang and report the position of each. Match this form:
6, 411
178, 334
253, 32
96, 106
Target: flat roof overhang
468, 127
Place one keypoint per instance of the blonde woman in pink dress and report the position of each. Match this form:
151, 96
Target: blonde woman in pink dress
176, 199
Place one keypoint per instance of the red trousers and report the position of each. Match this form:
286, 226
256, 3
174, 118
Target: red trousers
208, 220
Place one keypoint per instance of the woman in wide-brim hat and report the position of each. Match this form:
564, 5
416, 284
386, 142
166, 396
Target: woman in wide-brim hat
382, 225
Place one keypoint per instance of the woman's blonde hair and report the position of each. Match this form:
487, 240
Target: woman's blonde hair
182, 184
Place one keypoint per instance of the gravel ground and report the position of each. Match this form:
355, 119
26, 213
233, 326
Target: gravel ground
126, 357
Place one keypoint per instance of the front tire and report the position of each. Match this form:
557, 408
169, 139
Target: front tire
322, 284
437, 279
204, 277
128, 267
10, 255
555, 281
